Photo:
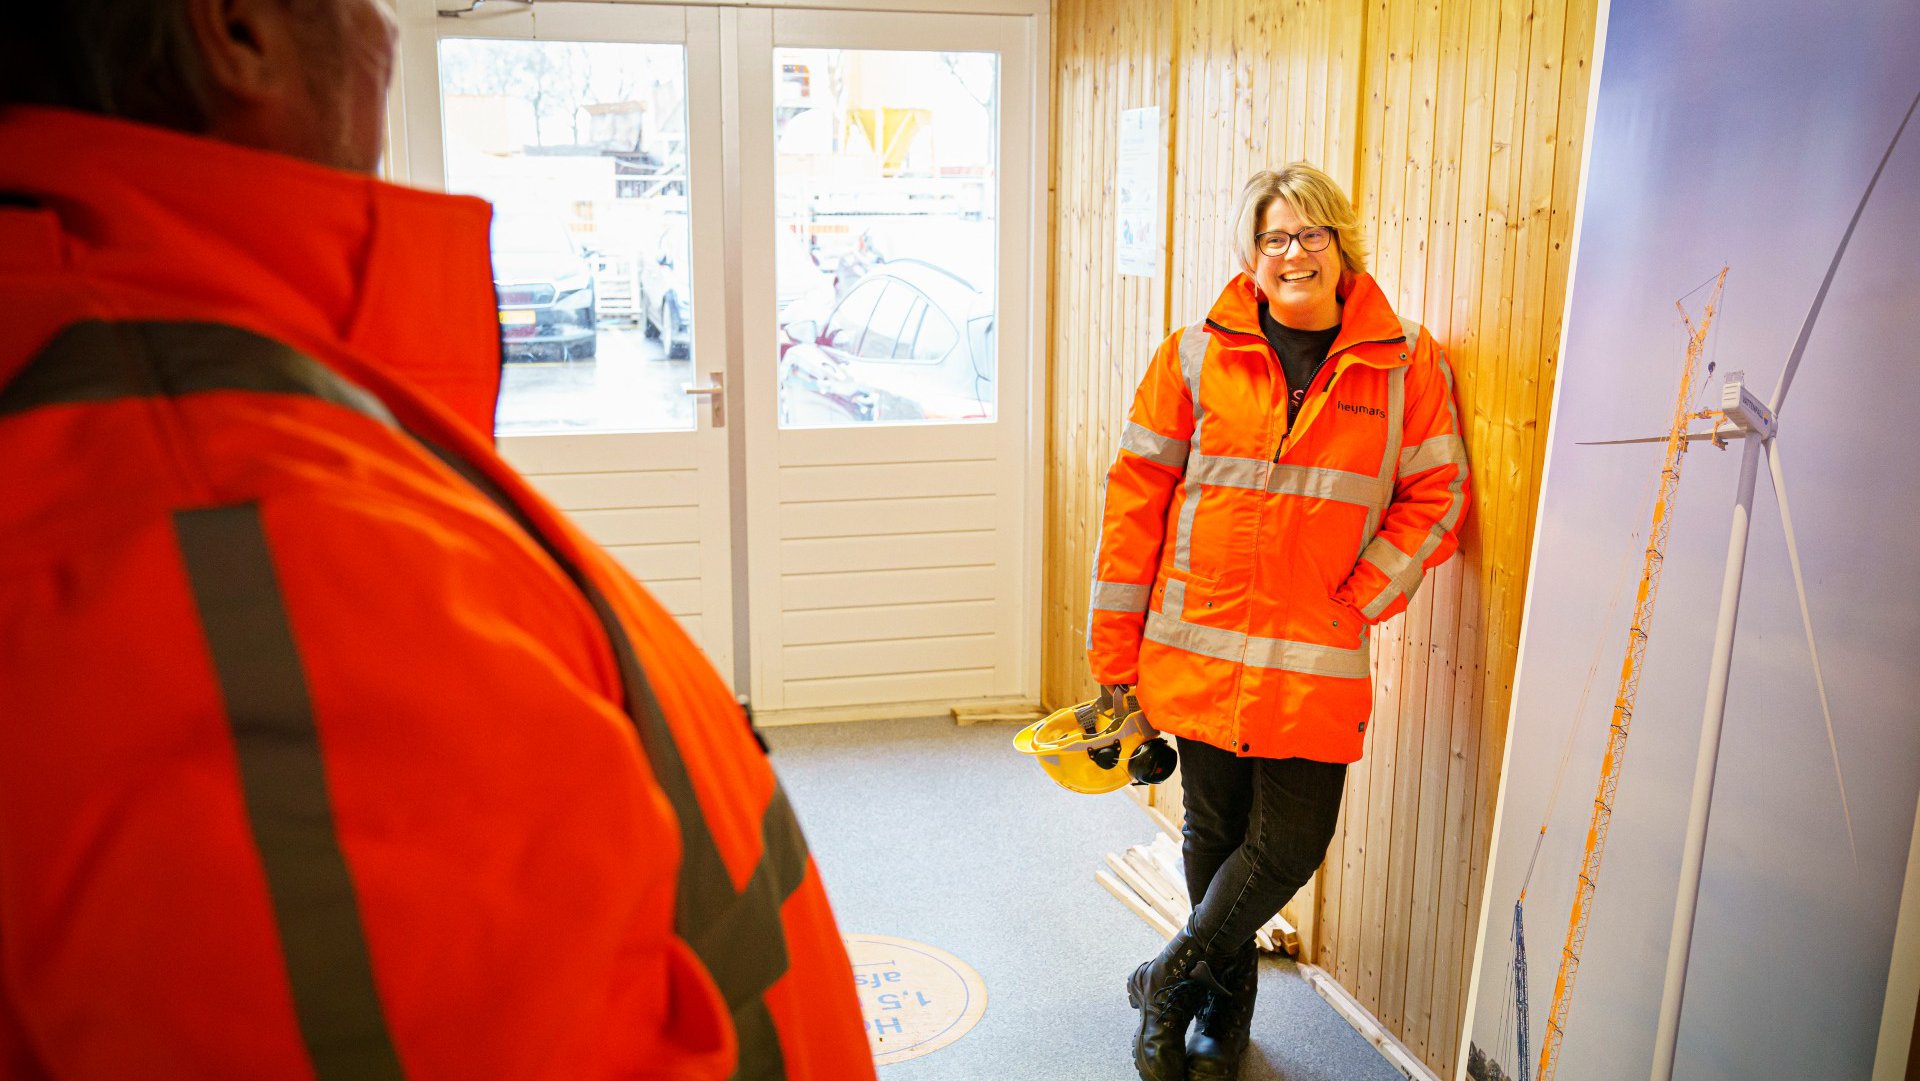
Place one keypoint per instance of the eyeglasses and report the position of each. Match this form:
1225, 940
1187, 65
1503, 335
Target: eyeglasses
1312, 238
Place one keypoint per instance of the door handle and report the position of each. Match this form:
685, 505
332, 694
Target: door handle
716, 394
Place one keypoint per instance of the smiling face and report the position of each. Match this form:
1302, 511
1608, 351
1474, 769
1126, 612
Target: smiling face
1300, 285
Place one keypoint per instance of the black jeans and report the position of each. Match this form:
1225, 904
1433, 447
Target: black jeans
1256, 830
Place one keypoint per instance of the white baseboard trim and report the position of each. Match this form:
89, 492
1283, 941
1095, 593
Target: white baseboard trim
887, 711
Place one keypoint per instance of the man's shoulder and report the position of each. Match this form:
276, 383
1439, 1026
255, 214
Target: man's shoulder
113, 425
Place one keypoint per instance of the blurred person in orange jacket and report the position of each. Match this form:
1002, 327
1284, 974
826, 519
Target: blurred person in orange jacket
328, 748
1291, 468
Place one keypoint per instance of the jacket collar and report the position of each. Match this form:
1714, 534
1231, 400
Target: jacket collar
1365, 317
156, 224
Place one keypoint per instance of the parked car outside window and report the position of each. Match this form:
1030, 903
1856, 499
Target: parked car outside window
892, 349
544, 289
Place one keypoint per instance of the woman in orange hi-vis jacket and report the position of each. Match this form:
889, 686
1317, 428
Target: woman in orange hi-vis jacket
1291, 468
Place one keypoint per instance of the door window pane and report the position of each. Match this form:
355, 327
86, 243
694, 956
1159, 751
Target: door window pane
851, 316
888, 319
936, 339
885, 176
582, 149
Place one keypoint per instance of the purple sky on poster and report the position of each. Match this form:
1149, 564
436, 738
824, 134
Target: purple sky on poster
1736, 133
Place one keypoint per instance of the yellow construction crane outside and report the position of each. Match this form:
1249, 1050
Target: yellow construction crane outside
1623, 702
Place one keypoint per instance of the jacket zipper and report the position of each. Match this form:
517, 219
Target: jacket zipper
1281, 449
1311, 376
1242, 746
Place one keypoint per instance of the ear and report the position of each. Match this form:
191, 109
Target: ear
248, 49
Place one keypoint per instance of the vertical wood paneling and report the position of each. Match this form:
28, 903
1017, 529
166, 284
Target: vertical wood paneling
1456, 125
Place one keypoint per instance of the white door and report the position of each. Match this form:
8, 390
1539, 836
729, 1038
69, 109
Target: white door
887, 184
827, 466
594, 130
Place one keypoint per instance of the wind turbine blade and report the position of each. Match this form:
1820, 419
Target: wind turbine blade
1820, 298
1806, 621
1692, 437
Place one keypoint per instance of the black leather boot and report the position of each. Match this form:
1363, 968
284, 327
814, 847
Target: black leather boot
1167, 990
1225, 1024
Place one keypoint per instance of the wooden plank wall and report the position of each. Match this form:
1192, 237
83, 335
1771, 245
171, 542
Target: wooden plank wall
1457, 127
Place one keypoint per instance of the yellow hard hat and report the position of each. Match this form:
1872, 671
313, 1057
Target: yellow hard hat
1094, 747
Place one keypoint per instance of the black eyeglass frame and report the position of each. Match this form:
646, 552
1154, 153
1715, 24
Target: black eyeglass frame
1260, 245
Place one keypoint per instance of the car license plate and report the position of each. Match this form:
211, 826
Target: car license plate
512, 318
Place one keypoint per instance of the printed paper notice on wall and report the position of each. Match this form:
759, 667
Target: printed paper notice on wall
1137, 243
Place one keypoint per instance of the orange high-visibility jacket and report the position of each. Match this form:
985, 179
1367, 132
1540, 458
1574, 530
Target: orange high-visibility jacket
328, 749
1240, 566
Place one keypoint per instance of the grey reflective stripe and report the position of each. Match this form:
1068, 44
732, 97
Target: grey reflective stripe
1396, 425
1173, 599
1099, 542
1389, 458
1403, 575
1153, 446
1119, 597
1330, 484
752, 919
1411, 328
1193, 358
1440, 450
1306, 658
1312, 482
1408, 579
283, 784
94, 361
753, 1027
1227, 472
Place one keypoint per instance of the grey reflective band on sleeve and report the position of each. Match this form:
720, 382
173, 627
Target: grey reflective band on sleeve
738, 935
1099, 542
283, 784
752, 918
1306, 658
1119, 597
1405, 578
1154, 447
1402, 571
1193, 359
1441, 450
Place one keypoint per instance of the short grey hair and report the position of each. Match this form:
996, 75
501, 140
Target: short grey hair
1314, 196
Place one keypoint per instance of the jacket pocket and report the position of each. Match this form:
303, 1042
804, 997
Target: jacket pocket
1345, 623
1177, 593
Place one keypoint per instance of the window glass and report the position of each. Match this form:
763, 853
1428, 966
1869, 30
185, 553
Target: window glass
937, 337
851, 316
581, 147
885, 172
888, 319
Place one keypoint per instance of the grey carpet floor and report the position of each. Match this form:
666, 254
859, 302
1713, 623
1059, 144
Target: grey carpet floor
938, 833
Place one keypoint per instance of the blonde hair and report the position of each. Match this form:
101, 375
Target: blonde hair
1314, 196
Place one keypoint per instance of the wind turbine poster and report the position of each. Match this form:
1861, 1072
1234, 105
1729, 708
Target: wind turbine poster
1713, 761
